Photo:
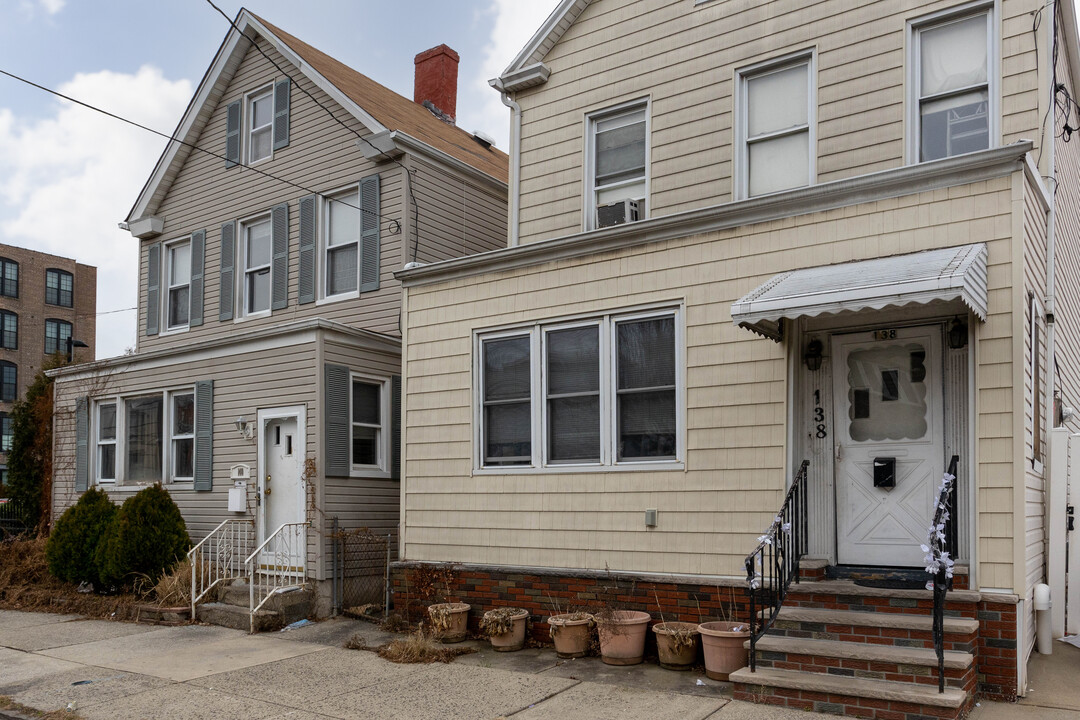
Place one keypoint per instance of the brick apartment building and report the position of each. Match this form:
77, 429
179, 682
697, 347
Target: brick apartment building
44, 300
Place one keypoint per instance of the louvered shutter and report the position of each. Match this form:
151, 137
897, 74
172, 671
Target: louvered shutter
198, 253
82, 442
228, 260
153, 288
369, 233
281, 113
338, 425
395, 427
232, 134
306, 282
204, 435
279, 230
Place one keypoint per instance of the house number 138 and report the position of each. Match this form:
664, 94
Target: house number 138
819, 417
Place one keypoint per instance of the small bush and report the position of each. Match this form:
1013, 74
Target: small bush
147, 537
72, 545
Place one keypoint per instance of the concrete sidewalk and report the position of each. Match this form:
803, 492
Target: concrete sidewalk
118, 670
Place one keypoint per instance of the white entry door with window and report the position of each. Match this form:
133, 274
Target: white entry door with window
281, 486
889, 443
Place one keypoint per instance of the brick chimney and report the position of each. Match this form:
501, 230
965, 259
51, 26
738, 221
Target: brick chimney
436, 81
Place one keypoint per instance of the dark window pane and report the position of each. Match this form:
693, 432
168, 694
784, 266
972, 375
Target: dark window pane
860, 403
107, 422
183, 457
646, 353
890, 385
508, 431
9, 387
178, 306
647, 425
143, 416
573, 358
365, 398
574, 429
506, 369
183, 414
365, 445
107, 462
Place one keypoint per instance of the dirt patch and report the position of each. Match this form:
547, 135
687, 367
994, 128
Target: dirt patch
25, 584
10, 705
415, 648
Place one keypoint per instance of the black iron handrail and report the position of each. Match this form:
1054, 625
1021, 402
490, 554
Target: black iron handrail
774, 563
942, 541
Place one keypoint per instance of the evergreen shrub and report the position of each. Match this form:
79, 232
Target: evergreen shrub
148, 537
72, 545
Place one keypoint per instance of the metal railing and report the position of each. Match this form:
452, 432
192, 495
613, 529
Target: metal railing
774, 563
942, 542
219, 557
279, 564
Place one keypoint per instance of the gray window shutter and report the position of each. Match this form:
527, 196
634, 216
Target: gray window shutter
204, 435
82, 440
281, 113
232, 134
153, 288
228, 259
279, 270
198, 253
395, 427
306, 283
338, 426
369, 233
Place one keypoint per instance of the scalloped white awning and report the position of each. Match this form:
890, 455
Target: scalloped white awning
956, 274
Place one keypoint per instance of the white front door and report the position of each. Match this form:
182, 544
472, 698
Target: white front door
281, 484
889, 443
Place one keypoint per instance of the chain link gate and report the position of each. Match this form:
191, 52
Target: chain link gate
361, 561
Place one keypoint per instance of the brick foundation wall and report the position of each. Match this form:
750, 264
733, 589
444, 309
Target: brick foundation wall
996, 654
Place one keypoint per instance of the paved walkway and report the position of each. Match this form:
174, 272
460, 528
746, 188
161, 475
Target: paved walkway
112, 670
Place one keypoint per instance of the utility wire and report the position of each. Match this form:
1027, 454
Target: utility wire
395, 226
339, 121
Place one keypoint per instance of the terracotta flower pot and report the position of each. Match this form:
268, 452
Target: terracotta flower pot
450, 620
513, 640
571, 633
622, 637
672, 647
723, 645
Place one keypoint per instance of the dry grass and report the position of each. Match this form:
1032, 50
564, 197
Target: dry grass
415, 648
499, 621
174, 589
7, 703
395, 624
25, 584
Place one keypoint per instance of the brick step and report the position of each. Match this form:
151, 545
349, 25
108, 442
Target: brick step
900, 629
862, 660
859, 697
846, 595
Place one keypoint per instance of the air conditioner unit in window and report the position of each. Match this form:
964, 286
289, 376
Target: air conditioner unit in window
616, 213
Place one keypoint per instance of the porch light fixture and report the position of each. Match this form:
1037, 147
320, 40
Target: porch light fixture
958, 334
244, 427
812, 356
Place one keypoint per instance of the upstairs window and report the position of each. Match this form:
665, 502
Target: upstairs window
342, 243
260, 125
776, 145
57, 334
617, 174
9, 278
58, 288
178, 279
9, 381
9, 330
256, 251
952, 79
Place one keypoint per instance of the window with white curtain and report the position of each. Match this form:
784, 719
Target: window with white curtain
598, 392
618, 144
341, 244
952, 78
178, 279
776, 126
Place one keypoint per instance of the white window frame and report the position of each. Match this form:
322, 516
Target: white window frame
607, 323
743, 76
95, 421
172, 435
1036, 330
249, 117
913, 98
381, 468
591, 119
120, 482
242, 269
166, 284
323, 231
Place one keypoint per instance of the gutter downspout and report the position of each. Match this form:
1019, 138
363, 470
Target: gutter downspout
515, 160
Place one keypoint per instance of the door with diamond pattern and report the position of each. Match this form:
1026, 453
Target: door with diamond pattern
889, 443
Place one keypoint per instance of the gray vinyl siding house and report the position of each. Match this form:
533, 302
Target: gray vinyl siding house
268, 319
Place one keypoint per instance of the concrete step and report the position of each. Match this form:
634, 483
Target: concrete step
905, 621
899, 629
237, 618
862, 651
847, 592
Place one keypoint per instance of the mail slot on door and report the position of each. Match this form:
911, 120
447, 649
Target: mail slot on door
885, 472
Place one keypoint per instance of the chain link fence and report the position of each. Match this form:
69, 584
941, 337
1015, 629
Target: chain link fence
361, 560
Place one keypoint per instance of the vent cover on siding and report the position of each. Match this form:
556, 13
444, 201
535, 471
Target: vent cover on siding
338, 426
279, 231
198, 253
306, 281
228, 259
153, 288
369, 233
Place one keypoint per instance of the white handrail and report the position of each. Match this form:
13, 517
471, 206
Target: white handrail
278, 564
216, 558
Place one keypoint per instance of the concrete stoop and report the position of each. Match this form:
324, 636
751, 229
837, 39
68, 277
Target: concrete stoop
230, 608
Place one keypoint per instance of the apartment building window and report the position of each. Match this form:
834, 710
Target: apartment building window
775, 125
178, 278
952, 78
617, 165
260, 125
342, 244
369, 418
106, 442
59, 285
596, 392
5, 432
9, 278
256, 249
57, 334
9, 381
9, 330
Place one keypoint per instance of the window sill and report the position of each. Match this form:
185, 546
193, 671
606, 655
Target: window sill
179, 330
370, 473
111, 486
253, 316
337, 298
665, 466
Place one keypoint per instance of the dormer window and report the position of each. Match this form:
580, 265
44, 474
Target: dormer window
618, 159
260, 125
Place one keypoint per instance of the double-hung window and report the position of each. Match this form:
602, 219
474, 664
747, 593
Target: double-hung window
145, 438
59, 285
182, 436
178, 280
595, 392
776, 133
9, 278
256, 254
5, 432
57, 335
368, 412
9, 330
952, 79
341, 244
617, 168
9, 381
260, 125
106, 441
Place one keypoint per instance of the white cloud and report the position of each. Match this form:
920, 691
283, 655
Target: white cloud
30, 7
52, 6
67, 179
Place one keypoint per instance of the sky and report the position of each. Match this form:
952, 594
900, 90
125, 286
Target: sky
69, 175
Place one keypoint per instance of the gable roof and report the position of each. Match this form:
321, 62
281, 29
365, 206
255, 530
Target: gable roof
378, 108
527, 68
